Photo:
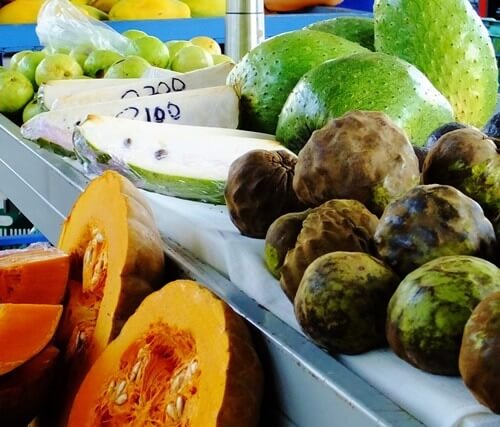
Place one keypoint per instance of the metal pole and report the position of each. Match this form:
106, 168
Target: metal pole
244, 26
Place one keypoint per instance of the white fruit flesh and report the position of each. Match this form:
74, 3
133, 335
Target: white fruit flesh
213, 107
171, 150
173, 82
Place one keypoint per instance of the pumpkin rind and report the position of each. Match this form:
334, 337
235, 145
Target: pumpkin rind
183, 358
25, 329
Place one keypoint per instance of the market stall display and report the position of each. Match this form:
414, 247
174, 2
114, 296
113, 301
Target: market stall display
360, 225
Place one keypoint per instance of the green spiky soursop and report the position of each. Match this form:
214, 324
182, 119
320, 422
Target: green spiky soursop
367, 82
446, 40
428, 312
267, 74
358, 29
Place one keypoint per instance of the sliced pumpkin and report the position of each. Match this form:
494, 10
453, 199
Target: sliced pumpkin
25, 391
25, 329
116, 260
35, 275
184, 358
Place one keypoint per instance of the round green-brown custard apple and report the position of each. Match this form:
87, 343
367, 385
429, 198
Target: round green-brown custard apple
480, 352
428, 312
337, 225
468, 160
283, 232
342, 301
259, 189
431, 221
361, 155
281, 236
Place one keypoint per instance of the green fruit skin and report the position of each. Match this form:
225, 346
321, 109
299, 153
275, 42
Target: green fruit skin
342, 300
15, 91
480, 352
51, 66
356, 29
128, 68
428, 312
432, 221
27, 66
152, 49
367, 82
203, 190
268, 73
447, 41
31, 109
99, 61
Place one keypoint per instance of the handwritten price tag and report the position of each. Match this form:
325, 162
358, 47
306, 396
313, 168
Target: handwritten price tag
174, 85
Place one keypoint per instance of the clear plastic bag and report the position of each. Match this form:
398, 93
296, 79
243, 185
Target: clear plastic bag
61, 25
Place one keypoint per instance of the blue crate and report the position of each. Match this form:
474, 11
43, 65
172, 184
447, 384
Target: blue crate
21, 240
366, 5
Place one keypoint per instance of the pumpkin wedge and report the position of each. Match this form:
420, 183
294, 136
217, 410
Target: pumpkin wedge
184, 358
116, 260
35, 275
25, 329
24, 391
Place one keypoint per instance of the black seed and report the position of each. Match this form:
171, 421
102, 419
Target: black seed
127, 142
160, 154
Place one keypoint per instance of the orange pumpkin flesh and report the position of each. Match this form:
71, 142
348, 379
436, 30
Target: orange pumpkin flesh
184, 358
25, 329
24, 391
35, 275
116, 255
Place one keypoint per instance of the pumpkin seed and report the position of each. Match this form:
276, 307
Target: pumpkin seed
179, 404
193, 367
121, 387
121, 399
135, 371
172, 411
99, 238
111, 387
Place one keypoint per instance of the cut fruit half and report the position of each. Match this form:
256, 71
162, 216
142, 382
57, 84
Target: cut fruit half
184, 358
190, 162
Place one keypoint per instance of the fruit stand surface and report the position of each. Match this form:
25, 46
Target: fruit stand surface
303, 382
371, 389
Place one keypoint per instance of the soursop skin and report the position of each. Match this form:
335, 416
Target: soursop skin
480, 352
342, 300
361, 155
358, 29
366, 82
432, 221
324, 230
427, 314
267, 74
447, 41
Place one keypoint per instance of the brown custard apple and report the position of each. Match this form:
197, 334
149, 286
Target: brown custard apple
362, 156
328, 228
467, 160
432, 221
259, 190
